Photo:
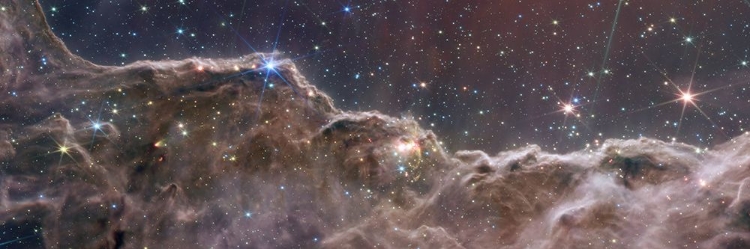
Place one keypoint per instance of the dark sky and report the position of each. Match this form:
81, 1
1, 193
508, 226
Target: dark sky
487, 75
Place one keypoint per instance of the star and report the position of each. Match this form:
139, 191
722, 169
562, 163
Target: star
568, 108
270, 65
687, 97
96, 125
63, 149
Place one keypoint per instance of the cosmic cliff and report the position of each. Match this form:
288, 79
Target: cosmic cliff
246, 153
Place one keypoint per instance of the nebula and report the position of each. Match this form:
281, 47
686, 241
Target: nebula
234, 153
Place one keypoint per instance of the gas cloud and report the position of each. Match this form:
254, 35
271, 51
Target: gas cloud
246, 153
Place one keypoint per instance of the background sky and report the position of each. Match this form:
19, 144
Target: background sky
490, 75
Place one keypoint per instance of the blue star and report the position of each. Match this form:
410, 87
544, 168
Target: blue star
270, 65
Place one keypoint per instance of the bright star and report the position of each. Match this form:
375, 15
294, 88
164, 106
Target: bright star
63, 149
687, 97
270, 65
568, 108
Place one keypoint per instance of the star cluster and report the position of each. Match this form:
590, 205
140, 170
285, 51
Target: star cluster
481, 74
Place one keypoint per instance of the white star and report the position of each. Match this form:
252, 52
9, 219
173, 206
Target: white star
568, 108
687, 97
